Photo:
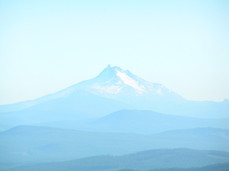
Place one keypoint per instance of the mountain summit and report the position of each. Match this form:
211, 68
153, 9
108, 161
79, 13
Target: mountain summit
115, 79
112, 90
114, 82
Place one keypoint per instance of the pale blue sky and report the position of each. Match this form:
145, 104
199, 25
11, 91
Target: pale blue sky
48, 45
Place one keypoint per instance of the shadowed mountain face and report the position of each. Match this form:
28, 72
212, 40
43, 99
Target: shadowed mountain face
147, 160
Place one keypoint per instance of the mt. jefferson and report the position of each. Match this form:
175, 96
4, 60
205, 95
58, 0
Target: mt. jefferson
112, 90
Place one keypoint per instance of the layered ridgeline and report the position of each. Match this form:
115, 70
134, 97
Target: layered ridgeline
144, 122
28, 144
144, 161
141, 115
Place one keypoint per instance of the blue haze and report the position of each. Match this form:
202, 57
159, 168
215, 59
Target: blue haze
57, 107
46, 46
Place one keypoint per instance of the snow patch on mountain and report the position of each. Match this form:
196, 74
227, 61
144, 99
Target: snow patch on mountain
108, 89
159, 92
129, 81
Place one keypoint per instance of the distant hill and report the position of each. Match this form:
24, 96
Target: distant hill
145, 121
214, 167
29, 144
146, 160
75, 106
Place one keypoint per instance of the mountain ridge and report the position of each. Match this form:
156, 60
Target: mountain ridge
27, 144
144, 160
121, 86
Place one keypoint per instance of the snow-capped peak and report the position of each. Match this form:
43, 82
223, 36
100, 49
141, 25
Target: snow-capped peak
114, 79
130, 81
114, 82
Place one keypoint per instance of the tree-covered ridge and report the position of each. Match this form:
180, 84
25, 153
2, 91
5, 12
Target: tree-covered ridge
152, 160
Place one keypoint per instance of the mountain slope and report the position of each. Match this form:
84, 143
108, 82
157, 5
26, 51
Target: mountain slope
112, 90
122, 86
122, 121
165, 158
74, 106
145, 121
29, 144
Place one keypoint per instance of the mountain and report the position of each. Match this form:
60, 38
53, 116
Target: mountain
213, 167
74, 106
30, 144
146, 160
121, 85
122, 121
112, 83
148, 122
112, 90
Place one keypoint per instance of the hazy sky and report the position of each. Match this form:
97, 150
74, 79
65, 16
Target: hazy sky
48, 45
